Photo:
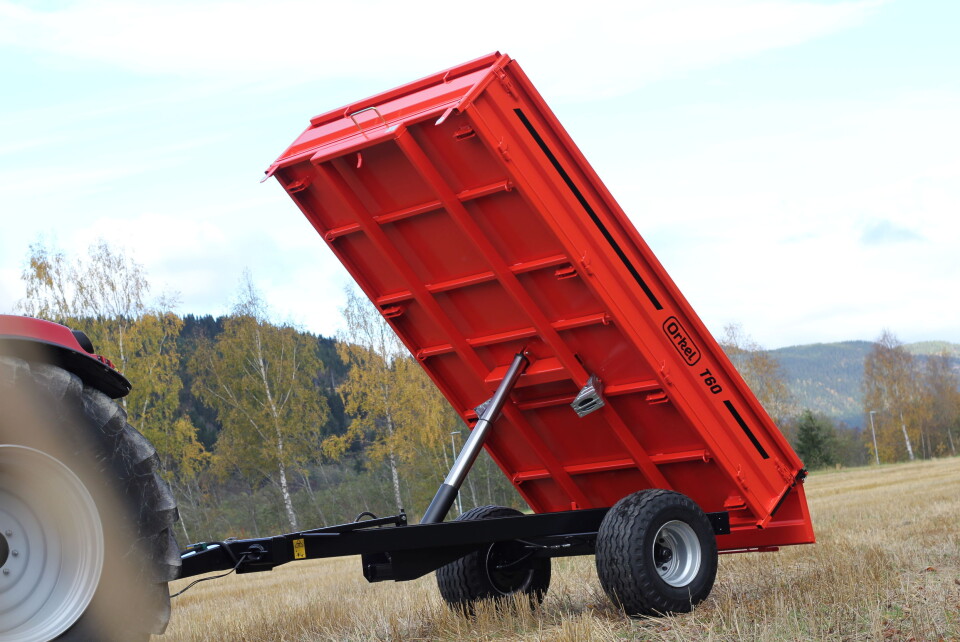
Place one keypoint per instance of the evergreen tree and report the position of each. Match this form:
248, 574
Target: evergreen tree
816, 440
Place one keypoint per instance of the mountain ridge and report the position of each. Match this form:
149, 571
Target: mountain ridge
828, 377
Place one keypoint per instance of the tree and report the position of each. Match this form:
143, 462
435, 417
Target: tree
816, 440
261, 380
153, 363
425, 421
106, 291
397, 412
106, 295
851, 447
940, 401
891, 389
761, 371
51, 283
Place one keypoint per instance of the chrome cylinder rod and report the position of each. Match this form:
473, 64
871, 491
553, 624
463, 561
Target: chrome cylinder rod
445, 496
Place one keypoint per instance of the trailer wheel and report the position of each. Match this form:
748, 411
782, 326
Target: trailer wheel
496, 571
656, 553
86, 540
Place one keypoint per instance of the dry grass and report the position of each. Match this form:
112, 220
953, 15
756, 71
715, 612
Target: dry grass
887, 566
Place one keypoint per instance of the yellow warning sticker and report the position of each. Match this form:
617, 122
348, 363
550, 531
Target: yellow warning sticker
299, 550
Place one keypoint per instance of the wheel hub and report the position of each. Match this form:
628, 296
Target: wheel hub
676, 553
661, 554
506, 568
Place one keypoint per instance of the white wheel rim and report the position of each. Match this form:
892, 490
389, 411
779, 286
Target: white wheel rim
54, 546
676, 553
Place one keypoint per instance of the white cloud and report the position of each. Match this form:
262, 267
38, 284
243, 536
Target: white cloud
201, 253
610, 48
882, 231
769, 230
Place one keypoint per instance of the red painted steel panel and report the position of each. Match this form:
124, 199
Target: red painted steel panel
464, 210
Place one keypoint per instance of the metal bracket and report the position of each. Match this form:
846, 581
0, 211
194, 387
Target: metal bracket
720, 522
590, 397
482, 407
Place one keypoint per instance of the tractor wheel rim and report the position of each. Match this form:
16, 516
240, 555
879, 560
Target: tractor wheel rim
676, 553
55, 545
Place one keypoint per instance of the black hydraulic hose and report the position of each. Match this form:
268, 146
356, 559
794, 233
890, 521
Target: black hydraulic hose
243, 556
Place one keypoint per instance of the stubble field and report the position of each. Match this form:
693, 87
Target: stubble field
886, 567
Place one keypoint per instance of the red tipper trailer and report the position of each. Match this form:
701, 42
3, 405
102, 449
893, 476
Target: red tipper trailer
474, 224
469, 217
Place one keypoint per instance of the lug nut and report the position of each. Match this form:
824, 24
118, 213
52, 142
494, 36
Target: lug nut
15, 553
8, 532
6, 571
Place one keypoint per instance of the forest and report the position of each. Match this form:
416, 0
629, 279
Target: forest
263, 427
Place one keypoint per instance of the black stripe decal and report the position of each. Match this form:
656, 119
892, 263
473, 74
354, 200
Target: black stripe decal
746, 429
586, 206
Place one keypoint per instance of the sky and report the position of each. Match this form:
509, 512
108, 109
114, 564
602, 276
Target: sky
795, 165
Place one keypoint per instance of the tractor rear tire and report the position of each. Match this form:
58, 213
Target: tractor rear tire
86, 522
479, 575
656, 553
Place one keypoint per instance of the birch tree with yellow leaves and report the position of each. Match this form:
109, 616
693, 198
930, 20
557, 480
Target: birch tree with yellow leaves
397, 413
261, 380
892, 391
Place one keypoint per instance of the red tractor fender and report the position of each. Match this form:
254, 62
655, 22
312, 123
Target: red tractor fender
39, 340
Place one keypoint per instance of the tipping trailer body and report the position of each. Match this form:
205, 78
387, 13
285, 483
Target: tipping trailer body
471, 220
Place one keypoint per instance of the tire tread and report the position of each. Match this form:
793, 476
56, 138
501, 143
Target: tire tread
124, 455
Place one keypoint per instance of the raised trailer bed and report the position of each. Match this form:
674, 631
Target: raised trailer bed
471, 220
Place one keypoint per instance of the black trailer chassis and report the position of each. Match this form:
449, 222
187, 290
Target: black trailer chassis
391, 549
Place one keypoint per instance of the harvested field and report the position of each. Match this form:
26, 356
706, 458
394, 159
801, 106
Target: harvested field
886, 566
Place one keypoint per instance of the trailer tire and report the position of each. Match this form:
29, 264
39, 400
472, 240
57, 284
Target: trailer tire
86, 539
656, 553
474, 577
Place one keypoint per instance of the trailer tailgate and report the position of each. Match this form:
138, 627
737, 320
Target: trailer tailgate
472, 221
